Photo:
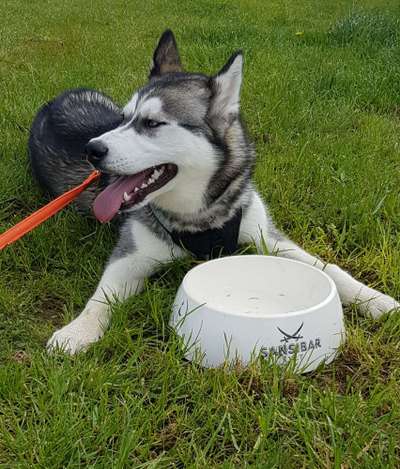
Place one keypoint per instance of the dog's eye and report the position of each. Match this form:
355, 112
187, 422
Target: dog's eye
151, 124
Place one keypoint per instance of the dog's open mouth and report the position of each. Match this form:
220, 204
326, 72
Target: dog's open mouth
127, 191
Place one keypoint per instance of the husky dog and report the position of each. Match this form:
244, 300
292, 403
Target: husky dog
181, 164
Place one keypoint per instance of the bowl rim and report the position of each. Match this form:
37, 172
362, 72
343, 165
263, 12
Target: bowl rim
301, 312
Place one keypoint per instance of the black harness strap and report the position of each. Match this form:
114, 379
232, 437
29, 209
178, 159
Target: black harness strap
211, 243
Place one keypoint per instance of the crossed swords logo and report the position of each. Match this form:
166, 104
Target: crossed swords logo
296, 335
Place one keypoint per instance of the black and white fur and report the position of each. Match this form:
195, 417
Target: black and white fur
59, 134
196, 125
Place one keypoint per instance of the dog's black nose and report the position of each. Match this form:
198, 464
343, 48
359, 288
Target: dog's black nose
96, 151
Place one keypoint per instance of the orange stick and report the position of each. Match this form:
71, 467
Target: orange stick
41, 215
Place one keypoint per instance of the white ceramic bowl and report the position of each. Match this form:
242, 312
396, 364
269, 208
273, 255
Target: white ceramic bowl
239, 307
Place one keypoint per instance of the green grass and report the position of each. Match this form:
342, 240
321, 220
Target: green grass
321, 98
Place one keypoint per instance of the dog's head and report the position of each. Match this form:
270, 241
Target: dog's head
173, 137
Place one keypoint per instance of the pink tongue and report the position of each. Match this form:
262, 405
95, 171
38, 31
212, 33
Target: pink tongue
109, 201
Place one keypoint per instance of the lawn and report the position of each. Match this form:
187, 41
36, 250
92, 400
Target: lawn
321, 98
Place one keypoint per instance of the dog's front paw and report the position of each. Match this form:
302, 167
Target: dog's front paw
380, 304
76, 336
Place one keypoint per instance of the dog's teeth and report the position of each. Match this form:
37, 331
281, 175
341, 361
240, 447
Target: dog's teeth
151, 181
143, 186
136, 189
162, 170
127, 197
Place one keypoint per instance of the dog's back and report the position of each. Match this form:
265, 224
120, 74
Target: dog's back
59, 134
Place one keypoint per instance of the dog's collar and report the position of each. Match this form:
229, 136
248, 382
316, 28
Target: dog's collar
211, 243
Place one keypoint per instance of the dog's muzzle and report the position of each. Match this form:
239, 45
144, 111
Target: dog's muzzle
96, 151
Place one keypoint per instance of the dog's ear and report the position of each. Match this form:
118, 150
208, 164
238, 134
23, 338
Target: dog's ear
166, 56
225, 87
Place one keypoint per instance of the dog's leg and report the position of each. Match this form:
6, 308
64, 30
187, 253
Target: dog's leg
258, 227
135, 258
